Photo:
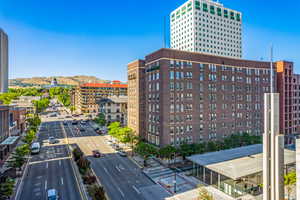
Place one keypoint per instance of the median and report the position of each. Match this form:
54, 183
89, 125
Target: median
92, 185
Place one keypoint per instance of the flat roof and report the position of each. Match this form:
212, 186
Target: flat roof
10, 140
225, 155
237, 163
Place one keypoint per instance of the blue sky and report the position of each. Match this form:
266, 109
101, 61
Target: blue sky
75, 37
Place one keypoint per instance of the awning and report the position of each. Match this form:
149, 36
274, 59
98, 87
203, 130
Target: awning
10, 140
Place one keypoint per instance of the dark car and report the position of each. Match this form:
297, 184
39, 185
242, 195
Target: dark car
81, 129
96, 154
74, 122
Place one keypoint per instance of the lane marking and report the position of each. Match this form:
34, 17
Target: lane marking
59, 162
118, 169
47, 165
46, 185
62, 180
137, 191
105, 170
121, 192
36, 162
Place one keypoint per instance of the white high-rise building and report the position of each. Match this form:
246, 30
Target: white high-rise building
3, 62
207, 27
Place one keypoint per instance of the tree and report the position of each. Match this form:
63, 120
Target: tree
204, 194
167, 152
113, 129
72, 109
185, 150
18, 156
289, 182
211, 146
100, 119
145, 150
6, 189
96, 192
41, 105
30, 136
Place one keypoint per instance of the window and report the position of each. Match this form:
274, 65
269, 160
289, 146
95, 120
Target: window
238, 17
197, 5
205, 9
219, 11
212, 10
226, 13
231, 15
171, 75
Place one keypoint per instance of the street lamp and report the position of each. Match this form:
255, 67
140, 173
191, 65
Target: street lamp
174, 182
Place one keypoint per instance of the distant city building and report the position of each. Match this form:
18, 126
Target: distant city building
298, 169
207, 27
193, 97
3, 62
85, 97
114, 109
54, 82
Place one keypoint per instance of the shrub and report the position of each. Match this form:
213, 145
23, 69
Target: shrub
96, 192
77, 153
89, 179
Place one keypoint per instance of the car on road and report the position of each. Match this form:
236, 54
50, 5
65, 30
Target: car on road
74, 122
53, 140
82, 129
96, 153
52, 194
122, 153
35, 148
65, 123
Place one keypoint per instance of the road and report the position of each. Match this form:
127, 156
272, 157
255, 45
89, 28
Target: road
51, 168
120, 177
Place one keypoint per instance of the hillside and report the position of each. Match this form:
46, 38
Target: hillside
62, 80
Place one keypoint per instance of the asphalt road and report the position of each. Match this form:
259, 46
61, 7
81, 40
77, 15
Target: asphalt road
51, 168
120, 177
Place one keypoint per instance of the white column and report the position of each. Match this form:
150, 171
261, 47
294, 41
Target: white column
273, 150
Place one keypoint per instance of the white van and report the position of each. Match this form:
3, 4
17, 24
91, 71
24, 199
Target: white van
35, 148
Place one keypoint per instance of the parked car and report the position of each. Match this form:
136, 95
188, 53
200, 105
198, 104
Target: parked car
97, 154
82, 129
65, 123
74, 122
53, 140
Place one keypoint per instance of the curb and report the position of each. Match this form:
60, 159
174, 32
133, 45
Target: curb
98, 181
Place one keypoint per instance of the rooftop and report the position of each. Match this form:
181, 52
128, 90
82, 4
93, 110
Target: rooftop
104, 85
238, 162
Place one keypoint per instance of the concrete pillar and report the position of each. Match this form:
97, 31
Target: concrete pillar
273, 150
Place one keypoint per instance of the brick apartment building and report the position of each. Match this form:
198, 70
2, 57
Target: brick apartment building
4, 131
86, 97
288, 85
136, 97
176, 96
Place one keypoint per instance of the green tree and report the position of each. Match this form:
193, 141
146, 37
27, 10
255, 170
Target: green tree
167, 152
185, 150
100, 119
289, 182
113, 129
6, 189
30, 136
145, 150
18, 156
41, 105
